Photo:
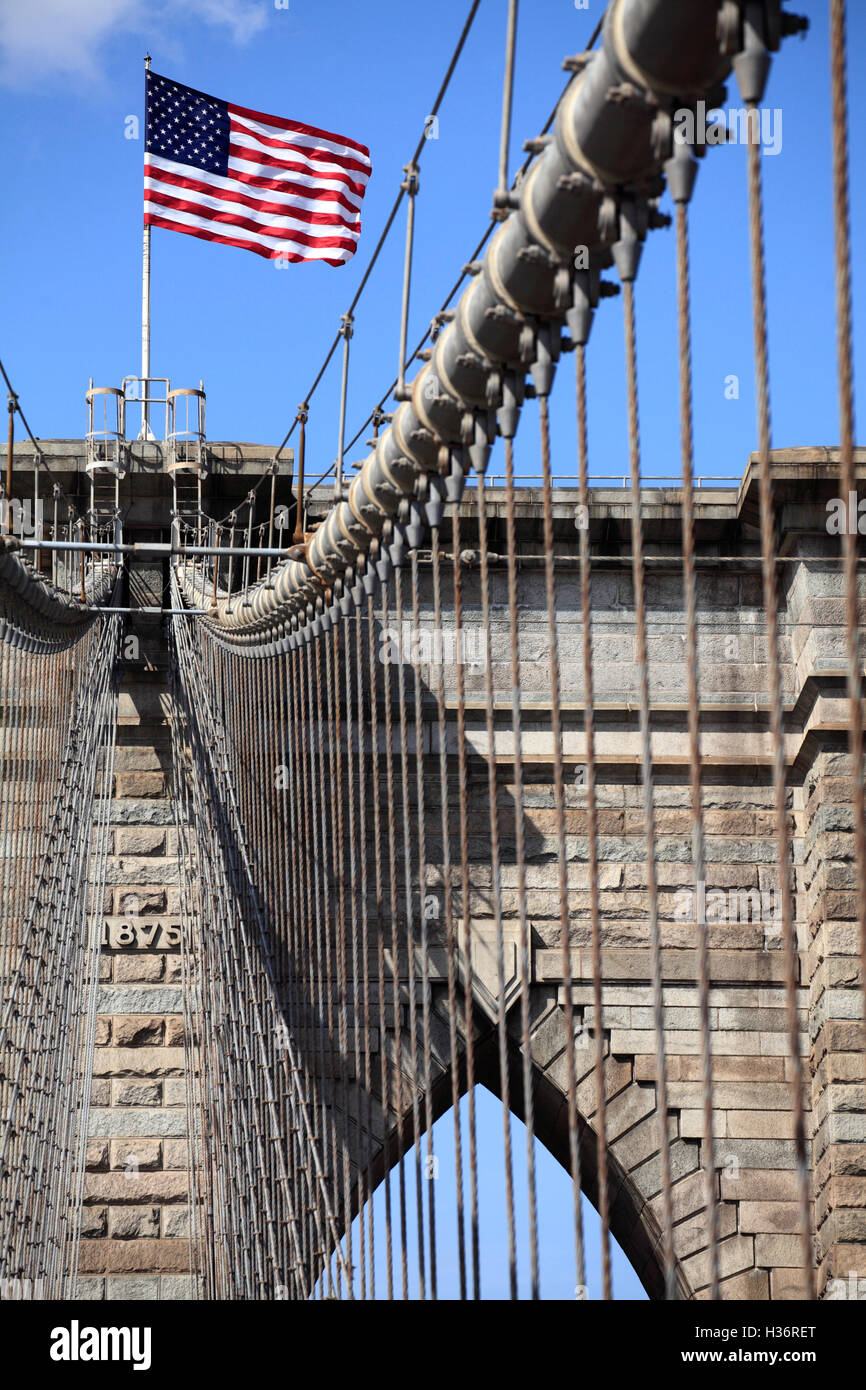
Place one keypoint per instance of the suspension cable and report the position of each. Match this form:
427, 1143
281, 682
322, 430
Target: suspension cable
40, 453
455, 57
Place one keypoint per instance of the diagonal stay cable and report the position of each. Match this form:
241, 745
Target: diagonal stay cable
40, 452
380, 244
455, 57
458, 283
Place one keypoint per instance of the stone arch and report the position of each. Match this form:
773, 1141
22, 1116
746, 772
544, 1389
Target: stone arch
751, 1265
633, 1159
634, 1217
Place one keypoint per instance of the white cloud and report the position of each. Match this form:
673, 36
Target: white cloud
40, 39
244, 18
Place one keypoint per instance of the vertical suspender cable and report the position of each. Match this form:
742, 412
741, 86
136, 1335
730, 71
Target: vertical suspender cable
777, 724
592, 823
465, 907
642, 655
496, 884
10, 446
346, 331
846, 459
298, 537
447, 890
409, 923
559, 805
520, 848
420, 814
501, 197
410, 188
681, 193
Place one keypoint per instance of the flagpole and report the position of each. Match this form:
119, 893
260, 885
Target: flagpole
145, 295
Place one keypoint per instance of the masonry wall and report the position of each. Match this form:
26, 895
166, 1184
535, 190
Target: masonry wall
135, 1239
135, 1222
760, 1254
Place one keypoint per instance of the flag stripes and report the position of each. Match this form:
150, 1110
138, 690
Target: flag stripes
263, 183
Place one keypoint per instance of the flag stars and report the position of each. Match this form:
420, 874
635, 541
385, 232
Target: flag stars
187, 127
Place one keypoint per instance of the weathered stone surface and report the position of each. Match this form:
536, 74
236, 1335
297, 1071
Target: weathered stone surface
693, 1235
843, 1225
788, 1284
842, 1129
732, 1096
687, 1197
690, 1068
760, 1124
769, 1217
140, 840
143, 758
141, 1045
100, 1093
847, 1191
177, 1287
161, 999
174, 1090
94, 1221
140, 784
134, 1288
174, 1034
130, 1223
735, 1254
136, 1155
742, 1154
150, 871
752, 1285
139, 901
627, 1109
87, 1289
136, 1030
96, 1154
136, 1092
848, 1259
848, 1159
776, 1251
136, 1019
131, 1188
139, 1061
643, 1140
684, 1159
142, 1256
130, 1122
175, 1154
130, 811
175, 1223
677, 966
139, 967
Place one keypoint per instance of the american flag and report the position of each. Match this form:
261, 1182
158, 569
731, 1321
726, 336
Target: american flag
221, 172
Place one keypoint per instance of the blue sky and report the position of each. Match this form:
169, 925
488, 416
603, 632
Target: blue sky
70, 233
71, 227
557, 1278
